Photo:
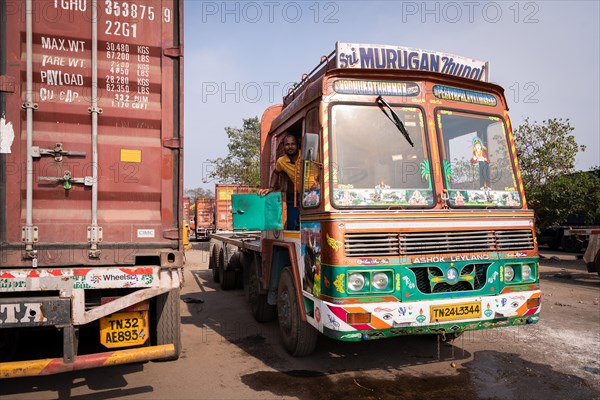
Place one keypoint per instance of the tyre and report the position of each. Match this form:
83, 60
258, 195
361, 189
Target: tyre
299, 337
261, 310
235, 265
9, 343
570, 244
168, 321
226, 275
214, 262
597, 262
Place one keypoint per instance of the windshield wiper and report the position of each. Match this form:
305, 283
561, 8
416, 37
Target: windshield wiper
395, 119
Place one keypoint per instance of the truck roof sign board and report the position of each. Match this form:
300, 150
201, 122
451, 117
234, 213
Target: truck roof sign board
376, 56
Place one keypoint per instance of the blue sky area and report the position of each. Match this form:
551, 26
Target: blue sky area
240, 56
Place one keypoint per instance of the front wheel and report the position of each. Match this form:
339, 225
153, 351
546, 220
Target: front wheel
299, 337
261, 309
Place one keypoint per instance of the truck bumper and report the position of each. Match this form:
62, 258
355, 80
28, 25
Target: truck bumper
50, 366
387, 319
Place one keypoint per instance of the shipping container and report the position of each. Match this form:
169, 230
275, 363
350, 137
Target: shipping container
91, 162
223, 192
186, 208
204, 217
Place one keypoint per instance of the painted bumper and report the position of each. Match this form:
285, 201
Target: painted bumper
410, 318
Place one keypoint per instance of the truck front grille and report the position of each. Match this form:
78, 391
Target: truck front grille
376, 244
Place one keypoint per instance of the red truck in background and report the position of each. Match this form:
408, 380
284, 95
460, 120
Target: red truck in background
91, 173
223, 192
204, 219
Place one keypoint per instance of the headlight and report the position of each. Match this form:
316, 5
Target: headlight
526, 272
356, 282
509, 273
380, 281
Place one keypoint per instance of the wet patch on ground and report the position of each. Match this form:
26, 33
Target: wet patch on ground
308, 385
490, 375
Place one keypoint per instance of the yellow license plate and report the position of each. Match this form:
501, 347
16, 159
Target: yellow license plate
124, 329
449, 312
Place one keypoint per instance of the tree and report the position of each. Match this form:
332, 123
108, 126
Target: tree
242, 164
545, 150
197, 193
570, 199
547, 154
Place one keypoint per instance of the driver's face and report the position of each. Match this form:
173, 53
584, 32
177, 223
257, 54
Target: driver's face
290, 146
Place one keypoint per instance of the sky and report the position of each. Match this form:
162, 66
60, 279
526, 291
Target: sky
241, 56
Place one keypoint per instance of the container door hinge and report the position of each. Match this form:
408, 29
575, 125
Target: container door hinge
58, 152
94, 236
7, 84
29, 235
172, 143
173, 52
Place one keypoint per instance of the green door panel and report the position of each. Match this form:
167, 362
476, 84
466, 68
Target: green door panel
253, 212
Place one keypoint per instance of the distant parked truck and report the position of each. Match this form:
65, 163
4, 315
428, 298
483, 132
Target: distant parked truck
205, 218
591, 257
223, 192
573, 239
91, 182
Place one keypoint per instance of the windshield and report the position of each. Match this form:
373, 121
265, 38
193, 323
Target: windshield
477, 165
373, 163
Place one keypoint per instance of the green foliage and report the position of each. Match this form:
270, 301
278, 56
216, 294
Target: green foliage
545, 150
576, 196
242, 164
197, 193
547, 154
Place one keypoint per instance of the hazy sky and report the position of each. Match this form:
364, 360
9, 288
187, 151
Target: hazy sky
240, 56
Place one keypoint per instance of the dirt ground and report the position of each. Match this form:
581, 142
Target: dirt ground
226, 355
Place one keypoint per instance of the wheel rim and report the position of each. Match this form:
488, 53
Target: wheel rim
284, 310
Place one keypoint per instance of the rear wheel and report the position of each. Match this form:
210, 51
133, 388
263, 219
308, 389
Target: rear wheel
214, 262
299, 337
226, 275
261, 310
9, 342
168, 321
570, 244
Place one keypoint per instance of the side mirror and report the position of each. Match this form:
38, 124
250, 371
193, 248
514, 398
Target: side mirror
310, 148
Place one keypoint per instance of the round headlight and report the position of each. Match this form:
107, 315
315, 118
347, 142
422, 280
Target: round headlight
356, 282
509, 273
380, 281
526, 272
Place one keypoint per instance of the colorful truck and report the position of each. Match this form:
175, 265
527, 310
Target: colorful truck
413, 218
91, 212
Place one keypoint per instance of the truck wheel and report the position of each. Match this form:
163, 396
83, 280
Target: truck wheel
597, 262
168, 321
261, 310
226, 275
214, 262
235, 264
299, 337
570, 244
9, 343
